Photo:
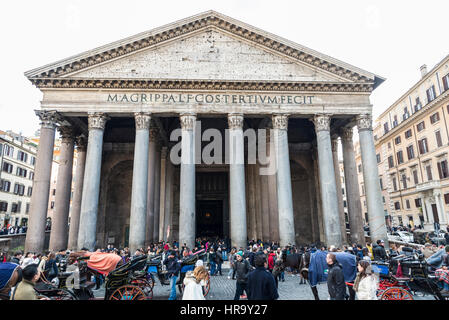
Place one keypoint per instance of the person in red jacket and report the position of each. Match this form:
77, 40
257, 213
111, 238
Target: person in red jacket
271, 260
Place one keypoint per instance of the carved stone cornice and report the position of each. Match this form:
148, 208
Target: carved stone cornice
49, 119
322, 122
67, 134
187, 121
142, 120
97, 120
209, 21
219, 85
364, 122
81, 143
280, 121
235, 121
346, 134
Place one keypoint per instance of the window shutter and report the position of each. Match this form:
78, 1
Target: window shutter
440, 172
420, 147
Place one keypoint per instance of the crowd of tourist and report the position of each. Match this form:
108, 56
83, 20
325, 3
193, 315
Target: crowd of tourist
256, 269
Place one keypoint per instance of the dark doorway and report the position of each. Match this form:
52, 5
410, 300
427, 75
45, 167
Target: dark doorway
435, 213
209, 218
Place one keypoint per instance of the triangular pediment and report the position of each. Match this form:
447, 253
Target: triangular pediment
208, 46
207, 55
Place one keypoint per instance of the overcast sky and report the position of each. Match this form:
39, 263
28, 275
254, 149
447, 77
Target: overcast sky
389, 38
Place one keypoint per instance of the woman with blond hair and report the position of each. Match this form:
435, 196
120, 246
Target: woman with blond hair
193, 284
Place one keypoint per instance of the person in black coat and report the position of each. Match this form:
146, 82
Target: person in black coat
242, 269
261, 283
379, 252
335, 279
173, 268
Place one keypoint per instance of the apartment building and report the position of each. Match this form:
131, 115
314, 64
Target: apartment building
412, 145
17, 160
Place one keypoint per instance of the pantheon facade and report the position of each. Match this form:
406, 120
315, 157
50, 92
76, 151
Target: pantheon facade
120, 105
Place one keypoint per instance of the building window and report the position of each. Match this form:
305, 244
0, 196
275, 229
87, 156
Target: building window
400, 157
19, 189
410, 152
404, 180
445, 82
395, 187
420, 126
395, 121
21, 172
5, 185
33, 161
418, 104
389, 145
359, 168
3, 206
30, 191
446, 198
418, 203
423, 147
408, 133
7, 167
386, 129
434, 118
344, 203
52, 205
390, 162
415, 176
438, 138
429, 172
22, 156
378, 157
381, 184
27, 210
397, 205
431, 95
407, 204
54, 191
31, 175
442, 169
14, 207
397, 140
383, 199
8, 151
406, 114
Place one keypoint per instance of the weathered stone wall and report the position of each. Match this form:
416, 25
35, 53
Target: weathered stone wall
18, 240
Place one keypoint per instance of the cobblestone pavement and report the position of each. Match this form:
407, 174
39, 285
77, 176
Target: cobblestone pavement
223, 288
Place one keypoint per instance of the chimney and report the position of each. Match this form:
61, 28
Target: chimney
423, 70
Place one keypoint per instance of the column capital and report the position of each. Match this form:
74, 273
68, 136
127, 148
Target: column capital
142, 120
187, 121
97, 120
235, 121
48, 119
67, 133
81, 142
322, 122
364, 122
280, 121
346, 134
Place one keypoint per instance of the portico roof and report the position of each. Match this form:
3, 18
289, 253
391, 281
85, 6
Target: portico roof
62, 70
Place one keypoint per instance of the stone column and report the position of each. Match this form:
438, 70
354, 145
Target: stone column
237, 197
162, 180
341, 210
352, 188
440, 206
139, 192
187, 181
258, 200
284, 182
168, 217
76, 201
265, 207
59, 225
151, 183
329, 199
157, 194
35, 237
91, 186
376, 215
272, 190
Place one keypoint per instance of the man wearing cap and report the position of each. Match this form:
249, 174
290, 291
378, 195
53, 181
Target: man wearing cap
242, 269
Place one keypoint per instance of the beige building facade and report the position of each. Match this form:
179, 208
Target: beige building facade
412, 145
177, 92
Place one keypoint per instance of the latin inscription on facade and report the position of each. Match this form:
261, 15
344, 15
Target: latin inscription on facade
200, 98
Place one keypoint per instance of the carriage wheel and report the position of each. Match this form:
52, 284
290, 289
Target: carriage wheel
145, 285
396, 293
128, 292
